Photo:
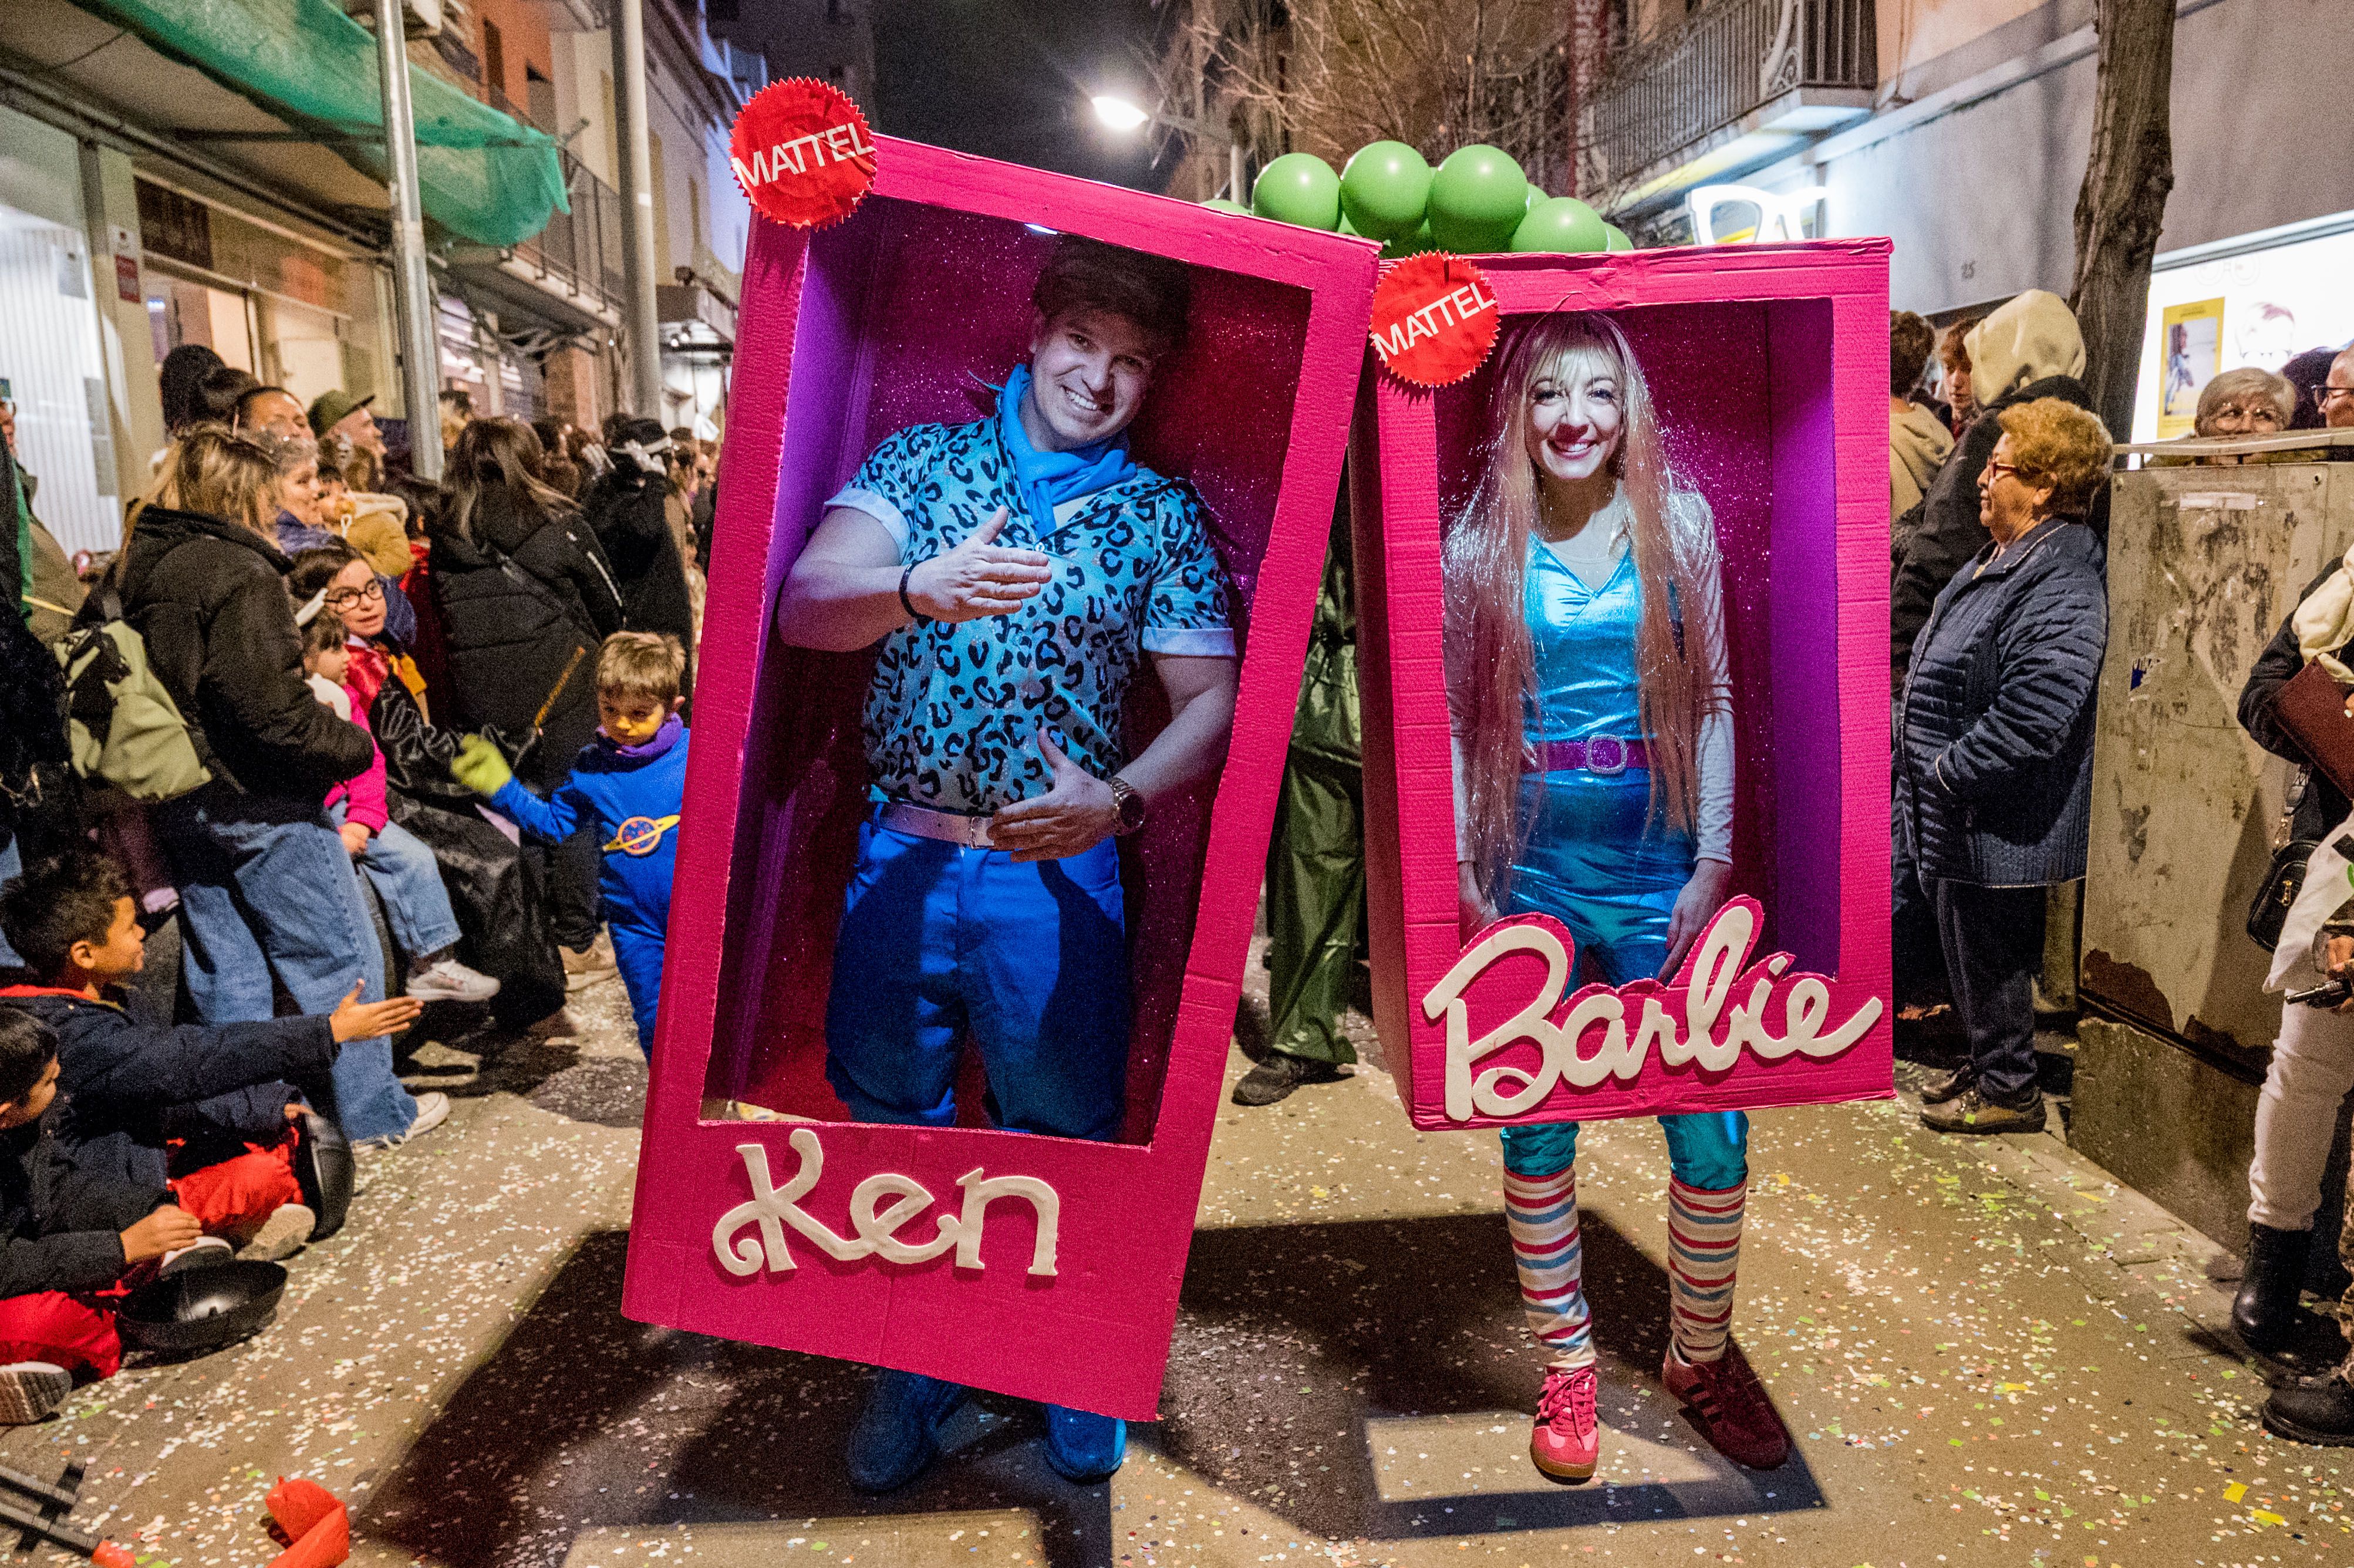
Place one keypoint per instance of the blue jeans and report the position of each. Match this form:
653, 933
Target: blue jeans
408, 883
266, 889
12, 865
1032, 958
1708, 1150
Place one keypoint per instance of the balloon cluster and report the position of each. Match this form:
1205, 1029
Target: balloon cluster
1477, 202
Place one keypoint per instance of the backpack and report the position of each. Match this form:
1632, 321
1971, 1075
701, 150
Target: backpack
131, 747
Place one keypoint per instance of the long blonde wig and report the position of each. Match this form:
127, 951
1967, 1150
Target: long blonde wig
1486, 568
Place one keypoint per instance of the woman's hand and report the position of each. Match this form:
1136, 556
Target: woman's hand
355, 837
1474, 914
1702, 897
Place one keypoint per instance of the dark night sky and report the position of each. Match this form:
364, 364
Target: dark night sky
1010, 79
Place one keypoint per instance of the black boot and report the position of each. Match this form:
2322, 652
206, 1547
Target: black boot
2313, 1409
2265, 1311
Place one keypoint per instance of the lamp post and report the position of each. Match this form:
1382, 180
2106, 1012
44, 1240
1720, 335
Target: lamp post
1124, 115
412, 295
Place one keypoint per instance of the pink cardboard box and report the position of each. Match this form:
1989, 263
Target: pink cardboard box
1037, 1267
1767, 364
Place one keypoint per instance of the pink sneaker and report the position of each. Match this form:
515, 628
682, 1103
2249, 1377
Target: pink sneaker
1567, 1438
1730, 1406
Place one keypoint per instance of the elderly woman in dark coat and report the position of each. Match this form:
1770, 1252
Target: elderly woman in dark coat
1994, 750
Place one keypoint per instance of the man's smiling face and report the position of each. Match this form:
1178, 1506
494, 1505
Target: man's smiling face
1089, 370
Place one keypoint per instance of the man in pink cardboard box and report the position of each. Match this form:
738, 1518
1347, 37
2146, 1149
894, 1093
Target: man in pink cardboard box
1016, 573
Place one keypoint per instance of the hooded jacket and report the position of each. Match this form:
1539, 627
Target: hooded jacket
517, 599
61, 1212
2031, 350
209, 599
1917, 445
130, 1087
627, 507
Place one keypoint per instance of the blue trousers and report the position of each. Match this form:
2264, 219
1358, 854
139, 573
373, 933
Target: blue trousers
266, 889
638, 953
1029, 958
408, 883
1591, 865
11, 865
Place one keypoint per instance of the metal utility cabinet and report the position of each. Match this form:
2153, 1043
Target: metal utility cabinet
2204, 564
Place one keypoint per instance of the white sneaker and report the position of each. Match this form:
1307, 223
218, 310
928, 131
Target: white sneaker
451, 980
201, 1253
29, 1391
432, 1110
285, 1233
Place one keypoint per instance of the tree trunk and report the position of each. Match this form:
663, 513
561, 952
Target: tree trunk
2123, 203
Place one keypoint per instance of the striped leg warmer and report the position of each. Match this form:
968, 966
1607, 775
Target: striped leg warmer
1703, 1256
1542, 1212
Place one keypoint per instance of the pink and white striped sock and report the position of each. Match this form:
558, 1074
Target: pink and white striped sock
1541, 1213
1703, 1256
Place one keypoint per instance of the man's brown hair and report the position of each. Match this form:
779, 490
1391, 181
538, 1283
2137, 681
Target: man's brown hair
1151, 291
1910, 339
640, 664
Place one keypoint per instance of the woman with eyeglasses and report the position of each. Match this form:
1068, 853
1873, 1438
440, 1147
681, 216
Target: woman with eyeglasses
268, 895
1994, 748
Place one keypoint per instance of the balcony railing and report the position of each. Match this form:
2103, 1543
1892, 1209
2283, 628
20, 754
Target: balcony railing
1729, 60
583, 246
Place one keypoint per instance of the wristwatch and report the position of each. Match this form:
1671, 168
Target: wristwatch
1131, 803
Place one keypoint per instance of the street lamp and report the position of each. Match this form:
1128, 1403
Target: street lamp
1119, 112
1123, 115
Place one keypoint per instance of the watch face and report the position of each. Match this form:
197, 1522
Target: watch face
1131, 810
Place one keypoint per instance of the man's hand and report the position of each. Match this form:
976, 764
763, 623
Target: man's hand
1702, 897
479, 766
355, 837
356, 1020
168, 1229
1078, 812
977, 577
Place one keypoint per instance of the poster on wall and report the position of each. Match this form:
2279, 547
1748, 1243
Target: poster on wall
1024, 504
1627, 794
2192, 334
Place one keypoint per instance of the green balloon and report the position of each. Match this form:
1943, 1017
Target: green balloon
1384, 189
1298, 187
1562, 226
1220, 204
1406, 245
1618, 240
1477, 199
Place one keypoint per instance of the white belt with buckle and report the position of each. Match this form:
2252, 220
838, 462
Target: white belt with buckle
923, 822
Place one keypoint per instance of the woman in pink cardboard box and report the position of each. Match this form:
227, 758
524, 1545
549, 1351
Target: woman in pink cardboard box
1016, 573
1590, 708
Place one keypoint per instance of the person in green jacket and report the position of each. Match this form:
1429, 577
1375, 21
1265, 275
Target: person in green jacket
1316, 858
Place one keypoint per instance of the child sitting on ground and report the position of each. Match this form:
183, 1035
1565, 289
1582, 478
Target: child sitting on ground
206, 1109
407, 882
630, 782
68, 1227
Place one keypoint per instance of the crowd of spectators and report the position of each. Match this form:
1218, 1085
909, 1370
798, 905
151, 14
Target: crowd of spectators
240, 733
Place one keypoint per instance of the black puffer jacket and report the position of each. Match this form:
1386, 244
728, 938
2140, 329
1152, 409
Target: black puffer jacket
1930, 543
2325, 804
625, 506
517, 600
62, 1213
209, 599
1994, 757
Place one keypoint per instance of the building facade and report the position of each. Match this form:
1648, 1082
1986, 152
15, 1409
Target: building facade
163, 181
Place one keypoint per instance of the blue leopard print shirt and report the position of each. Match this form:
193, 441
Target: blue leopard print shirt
953, 710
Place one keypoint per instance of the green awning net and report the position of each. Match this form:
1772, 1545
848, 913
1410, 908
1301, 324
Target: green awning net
480, 174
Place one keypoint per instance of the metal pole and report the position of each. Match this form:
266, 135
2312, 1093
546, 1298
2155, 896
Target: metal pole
1235, 191
641, 332
420, 355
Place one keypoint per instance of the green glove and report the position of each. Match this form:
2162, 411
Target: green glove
479, 767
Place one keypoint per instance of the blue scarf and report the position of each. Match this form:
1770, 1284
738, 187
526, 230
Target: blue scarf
1045, 480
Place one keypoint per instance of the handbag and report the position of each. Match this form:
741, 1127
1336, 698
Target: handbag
2311, 709
2284, 879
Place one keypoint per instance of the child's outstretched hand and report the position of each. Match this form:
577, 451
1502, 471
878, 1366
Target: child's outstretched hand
479, 767
168, 1229
356, 1020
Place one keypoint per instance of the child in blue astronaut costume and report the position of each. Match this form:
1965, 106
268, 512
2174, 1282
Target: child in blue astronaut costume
630, 782
1016, 574
1590, 707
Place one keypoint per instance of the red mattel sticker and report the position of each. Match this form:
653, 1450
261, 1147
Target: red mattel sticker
1434, 319
801, 153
